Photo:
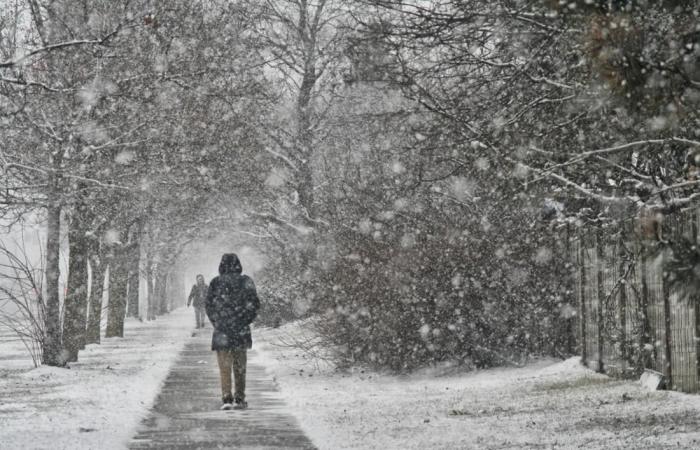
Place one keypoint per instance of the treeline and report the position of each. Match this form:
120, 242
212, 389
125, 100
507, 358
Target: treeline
120, 123
415, 174
469, 145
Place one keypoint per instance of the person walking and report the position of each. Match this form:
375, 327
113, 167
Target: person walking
232, 304
198, 295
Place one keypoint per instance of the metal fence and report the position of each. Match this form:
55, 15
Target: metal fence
631, 317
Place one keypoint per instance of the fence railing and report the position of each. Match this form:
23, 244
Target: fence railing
631, 316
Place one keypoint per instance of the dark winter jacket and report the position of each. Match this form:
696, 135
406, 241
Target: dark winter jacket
231, 305
198, 295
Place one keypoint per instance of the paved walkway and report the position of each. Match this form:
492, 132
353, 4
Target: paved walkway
186, 413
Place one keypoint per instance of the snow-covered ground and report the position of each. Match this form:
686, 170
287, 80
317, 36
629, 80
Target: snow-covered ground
99, 401
549, 404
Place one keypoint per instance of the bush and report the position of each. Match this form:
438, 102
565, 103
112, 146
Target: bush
439, 295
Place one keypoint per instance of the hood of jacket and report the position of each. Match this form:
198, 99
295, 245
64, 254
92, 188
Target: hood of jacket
230, 264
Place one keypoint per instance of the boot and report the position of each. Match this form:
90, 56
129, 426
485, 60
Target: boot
227, 402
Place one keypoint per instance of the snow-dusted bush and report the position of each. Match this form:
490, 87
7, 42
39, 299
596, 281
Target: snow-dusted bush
462, 294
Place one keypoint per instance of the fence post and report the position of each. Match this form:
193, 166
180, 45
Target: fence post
570, 321
623, 306
696, 304
668, 368
582, 292
601, 295
649, 356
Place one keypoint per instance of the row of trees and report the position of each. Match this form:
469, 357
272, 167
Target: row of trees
117, 123
414, 171
535, 120
462, 145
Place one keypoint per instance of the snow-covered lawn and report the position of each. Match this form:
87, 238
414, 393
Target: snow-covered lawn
549, 404
99, 401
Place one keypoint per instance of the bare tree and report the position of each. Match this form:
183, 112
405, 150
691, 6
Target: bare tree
22, 305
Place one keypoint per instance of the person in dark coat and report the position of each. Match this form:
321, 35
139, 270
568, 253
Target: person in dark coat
197, 297
232, 304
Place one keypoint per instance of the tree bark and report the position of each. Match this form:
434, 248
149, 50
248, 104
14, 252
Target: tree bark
160, 288
75, 304
150, 289
52, 345
92, 334
134, 278
305, 137
305, 144
169, 289
600, 248
116, 309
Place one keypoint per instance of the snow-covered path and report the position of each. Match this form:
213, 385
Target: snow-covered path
186, 413
549, 404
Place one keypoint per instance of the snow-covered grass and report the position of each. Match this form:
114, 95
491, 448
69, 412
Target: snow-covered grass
99, 401
13, 353
548, 404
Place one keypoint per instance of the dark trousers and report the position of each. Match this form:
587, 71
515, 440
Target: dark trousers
200, 316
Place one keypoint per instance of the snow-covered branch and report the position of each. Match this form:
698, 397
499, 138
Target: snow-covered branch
10, 166
30, 83
580, 157
682, 185
270, 217
58, 46
617, 148
588, 192
284, 158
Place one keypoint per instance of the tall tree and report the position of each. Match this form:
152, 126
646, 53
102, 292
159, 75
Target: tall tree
76, 300
302, 42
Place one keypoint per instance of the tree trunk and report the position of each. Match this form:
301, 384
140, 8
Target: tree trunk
176, 288
134, 279
92, 334
116, 308
161, 297
99, 271
600, 248
305, 188
169, 289
52, 345
178, 291
305, 140
150, 290
75, 304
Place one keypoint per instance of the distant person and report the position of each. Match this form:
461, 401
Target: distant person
198, 296
232, 305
